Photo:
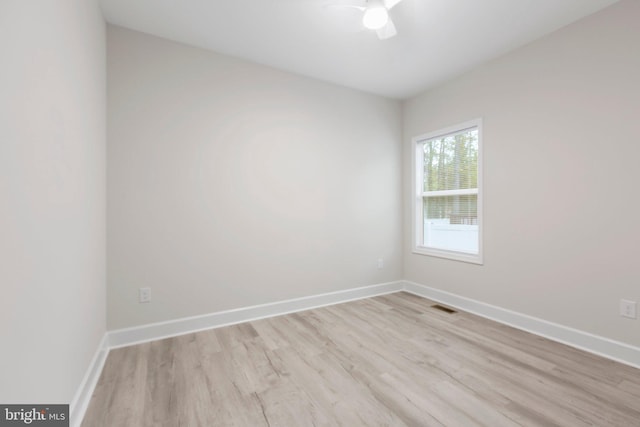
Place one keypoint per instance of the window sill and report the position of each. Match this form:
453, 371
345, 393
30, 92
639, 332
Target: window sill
451, 255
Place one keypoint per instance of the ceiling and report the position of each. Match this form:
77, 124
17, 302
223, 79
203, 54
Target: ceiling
437, 39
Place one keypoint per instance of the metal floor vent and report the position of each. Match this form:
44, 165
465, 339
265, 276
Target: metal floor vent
443, 308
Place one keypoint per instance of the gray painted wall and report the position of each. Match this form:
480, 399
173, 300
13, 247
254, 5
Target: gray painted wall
52, 196
232, 184
561, 148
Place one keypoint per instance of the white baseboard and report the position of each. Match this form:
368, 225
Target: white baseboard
601, 346
605, 347
80, 401
591, 343
155, 331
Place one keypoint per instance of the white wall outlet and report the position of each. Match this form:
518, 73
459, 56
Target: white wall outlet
628, 309
380, 263
144, 295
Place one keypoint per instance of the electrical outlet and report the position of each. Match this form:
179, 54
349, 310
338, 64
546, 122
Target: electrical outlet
144, 295
628, 309
380, 263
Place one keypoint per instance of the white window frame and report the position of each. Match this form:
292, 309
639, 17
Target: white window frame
417, 187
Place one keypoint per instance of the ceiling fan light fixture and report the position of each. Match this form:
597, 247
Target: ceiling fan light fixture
375, 17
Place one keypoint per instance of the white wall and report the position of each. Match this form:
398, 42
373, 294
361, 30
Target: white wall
52, 196
232, 184
561, 147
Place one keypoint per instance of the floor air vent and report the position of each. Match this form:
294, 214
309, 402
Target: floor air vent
443, 308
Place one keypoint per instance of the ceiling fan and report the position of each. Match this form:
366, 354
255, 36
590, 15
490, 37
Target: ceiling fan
375, 16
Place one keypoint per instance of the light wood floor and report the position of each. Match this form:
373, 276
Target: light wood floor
386, 361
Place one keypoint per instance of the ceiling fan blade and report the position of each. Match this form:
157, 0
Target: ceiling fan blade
387, 31
391, 3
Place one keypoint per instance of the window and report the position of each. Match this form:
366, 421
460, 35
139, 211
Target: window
447, 193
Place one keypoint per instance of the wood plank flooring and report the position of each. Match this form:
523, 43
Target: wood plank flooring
386, 361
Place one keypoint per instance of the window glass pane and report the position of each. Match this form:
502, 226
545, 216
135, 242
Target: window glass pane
451, 223
451, 162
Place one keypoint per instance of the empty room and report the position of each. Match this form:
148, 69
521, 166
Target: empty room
319, 213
